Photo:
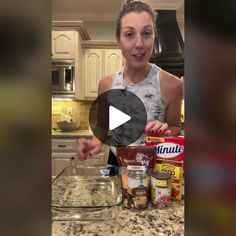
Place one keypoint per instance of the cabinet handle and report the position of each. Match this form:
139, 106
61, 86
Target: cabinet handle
61, 145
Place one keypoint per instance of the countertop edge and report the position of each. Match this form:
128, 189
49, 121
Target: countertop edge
74, 134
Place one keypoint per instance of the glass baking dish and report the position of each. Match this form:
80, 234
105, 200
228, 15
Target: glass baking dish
87, 193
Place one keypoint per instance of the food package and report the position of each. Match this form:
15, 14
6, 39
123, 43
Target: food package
134, 156
169, 156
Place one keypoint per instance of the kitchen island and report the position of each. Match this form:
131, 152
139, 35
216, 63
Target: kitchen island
147, 222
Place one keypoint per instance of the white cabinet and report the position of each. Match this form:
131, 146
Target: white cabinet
64, 145
92, 71
60, 161
64, 151
66, 45
63, 44
98, 63
112, 61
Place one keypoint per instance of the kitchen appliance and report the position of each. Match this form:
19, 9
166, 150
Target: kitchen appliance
87, 193
63, 79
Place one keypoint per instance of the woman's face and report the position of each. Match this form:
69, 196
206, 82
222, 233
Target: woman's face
136, 38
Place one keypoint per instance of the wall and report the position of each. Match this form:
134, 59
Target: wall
103, 30
180, 19
80, 112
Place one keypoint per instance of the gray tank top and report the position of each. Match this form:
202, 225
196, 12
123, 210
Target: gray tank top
148, 90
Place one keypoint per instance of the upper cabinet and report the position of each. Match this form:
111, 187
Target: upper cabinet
113, 60
63, 44
92, 59
92, 71
98, 63
66, 45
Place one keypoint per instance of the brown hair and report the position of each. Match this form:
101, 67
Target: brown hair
133, 6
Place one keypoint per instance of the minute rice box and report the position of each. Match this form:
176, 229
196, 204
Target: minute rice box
169, 157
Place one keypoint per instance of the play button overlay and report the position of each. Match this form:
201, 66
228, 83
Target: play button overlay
118, 117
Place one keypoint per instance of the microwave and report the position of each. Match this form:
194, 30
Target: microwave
63, 77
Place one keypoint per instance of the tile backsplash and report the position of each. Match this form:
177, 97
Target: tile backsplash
80, 112
78, 109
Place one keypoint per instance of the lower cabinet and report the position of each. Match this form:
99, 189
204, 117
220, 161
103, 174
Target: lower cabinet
64, 153
60, 161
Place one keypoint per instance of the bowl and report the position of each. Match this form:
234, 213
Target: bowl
65, 126
87, 193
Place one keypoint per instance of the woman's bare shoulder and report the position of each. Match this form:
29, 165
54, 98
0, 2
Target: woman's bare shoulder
105, 84
170, 78
171, 84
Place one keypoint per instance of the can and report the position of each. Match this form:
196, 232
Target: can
137, 194
160, 189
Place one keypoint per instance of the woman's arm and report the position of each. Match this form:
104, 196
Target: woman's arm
90, 147
172, 94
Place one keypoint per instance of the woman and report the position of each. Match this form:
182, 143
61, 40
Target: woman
161, 92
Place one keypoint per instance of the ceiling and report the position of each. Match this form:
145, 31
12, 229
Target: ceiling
85, 9
100, 14
100, 10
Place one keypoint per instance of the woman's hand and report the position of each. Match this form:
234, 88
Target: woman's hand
88, 148
156, 127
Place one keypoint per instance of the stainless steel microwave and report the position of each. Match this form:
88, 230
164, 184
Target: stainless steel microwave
63, 77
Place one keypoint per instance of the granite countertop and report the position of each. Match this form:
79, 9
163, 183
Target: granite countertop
147, 222
73, 134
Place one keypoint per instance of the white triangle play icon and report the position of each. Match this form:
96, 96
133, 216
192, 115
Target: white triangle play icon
117, 118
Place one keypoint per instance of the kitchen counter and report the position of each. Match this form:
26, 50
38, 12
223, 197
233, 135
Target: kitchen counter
146, 223
73, 134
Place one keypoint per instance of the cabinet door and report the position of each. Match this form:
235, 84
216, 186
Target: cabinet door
61, 145
59, 164
60, 161
63, 44
92, 71
112, 61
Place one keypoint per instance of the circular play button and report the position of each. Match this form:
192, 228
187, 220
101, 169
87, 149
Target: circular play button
118, 117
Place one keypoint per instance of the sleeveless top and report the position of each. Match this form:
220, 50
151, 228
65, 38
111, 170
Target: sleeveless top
148, 90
